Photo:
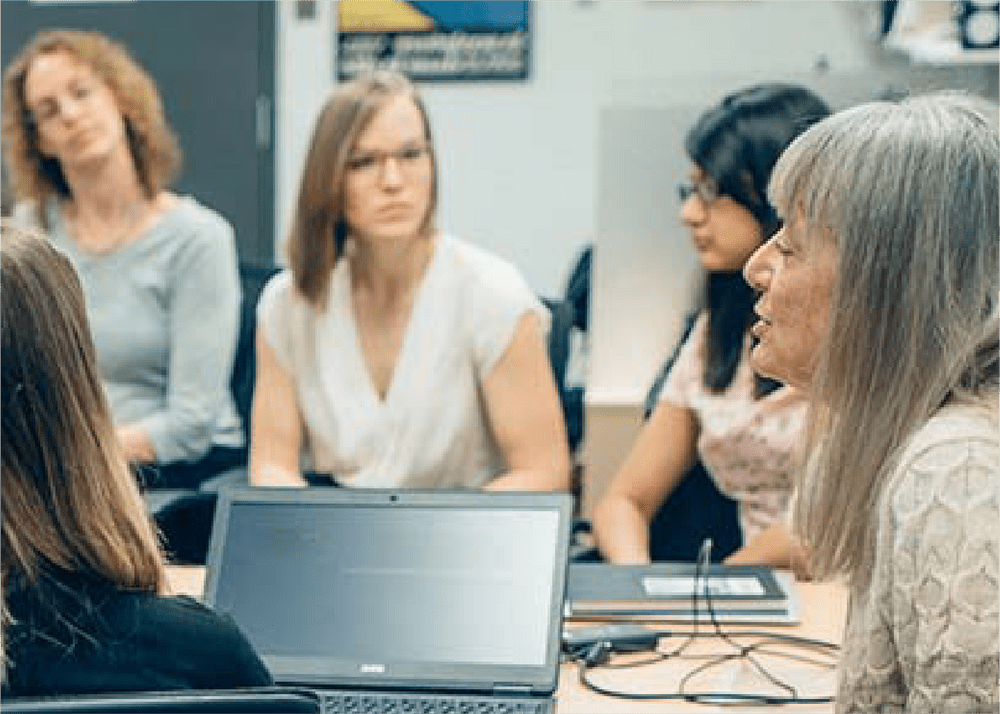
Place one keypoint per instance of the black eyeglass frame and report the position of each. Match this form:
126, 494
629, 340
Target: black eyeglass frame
707, 192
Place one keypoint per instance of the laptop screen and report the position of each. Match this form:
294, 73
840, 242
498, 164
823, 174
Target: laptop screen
418, 587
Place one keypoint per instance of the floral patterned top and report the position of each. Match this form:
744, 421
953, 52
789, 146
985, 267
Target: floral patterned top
746, 444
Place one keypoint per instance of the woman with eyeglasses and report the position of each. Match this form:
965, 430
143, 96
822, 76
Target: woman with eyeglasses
392, 354
743, 428
92, 159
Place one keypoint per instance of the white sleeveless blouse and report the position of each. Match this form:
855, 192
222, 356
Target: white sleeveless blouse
432, 429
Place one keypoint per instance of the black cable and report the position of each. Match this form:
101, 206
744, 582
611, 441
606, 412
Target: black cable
601, 656
587, 662
704, 556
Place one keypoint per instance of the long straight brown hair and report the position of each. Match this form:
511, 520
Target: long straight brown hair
68, 499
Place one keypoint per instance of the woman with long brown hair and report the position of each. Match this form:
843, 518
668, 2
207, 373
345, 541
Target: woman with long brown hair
84, 592
391, 353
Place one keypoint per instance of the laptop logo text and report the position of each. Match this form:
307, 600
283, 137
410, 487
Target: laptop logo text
373, 669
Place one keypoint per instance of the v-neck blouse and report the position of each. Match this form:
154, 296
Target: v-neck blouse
431, 430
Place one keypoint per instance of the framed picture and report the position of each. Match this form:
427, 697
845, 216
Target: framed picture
435, 41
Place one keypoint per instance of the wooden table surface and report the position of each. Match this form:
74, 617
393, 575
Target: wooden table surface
822, 610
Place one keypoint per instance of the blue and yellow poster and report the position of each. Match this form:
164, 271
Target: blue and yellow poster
443, 40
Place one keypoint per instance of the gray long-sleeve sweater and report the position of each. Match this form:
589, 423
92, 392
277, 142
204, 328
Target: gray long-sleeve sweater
164, 312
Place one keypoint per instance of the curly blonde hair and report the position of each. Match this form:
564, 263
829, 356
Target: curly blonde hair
152, 143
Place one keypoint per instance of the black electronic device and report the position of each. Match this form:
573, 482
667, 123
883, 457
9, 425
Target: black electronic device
422, 600
618, 636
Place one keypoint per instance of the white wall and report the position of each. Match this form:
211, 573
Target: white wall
303, 71
589, 148
519, 160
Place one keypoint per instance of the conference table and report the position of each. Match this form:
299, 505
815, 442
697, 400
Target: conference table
822, 609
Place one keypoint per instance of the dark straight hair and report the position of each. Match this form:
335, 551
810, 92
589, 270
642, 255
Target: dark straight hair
737, 144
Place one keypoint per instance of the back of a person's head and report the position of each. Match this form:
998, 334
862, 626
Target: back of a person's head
738, 141
68, 500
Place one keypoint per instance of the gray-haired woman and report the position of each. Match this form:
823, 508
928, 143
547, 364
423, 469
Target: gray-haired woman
880, 297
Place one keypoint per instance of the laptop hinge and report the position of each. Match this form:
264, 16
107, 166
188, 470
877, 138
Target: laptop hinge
513, 690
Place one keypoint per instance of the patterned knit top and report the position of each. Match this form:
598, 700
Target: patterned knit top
922, 637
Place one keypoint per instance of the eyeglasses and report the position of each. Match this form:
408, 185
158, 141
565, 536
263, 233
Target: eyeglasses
706, 191
80, 93
371, 163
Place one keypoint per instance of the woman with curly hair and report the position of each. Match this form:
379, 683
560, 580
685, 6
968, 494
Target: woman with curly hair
91, 157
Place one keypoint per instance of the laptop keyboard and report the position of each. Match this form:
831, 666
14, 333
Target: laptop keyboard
389, 703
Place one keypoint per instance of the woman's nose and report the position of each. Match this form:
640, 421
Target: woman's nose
693, 211
756, 271
391, 173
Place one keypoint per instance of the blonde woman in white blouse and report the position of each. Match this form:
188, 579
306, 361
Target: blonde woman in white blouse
392, 354
880, 298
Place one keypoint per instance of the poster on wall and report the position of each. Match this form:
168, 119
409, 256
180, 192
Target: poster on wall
435, 41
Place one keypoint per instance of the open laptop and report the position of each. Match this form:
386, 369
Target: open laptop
409, 601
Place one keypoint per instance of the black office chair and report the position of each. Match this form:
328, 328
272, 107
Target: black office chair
570, 313
570, 398
275, 700
241, 384
694, 511
185, 517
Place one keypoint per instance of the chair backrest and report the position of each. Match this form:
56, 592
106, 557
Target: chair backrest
241, 383
571, 399
561, 313
277, 700
577, 292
